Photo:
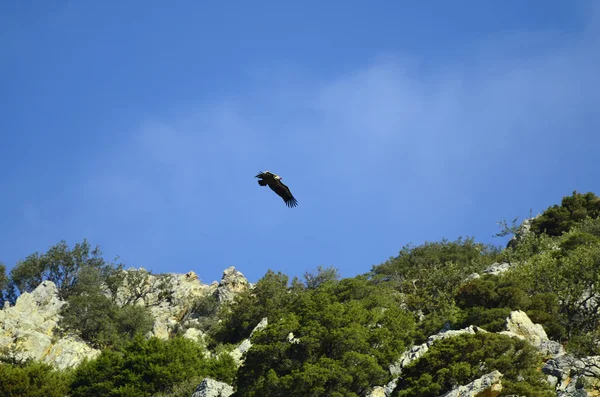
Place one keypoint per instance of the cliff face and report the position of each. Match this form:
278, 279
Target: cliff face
29, 328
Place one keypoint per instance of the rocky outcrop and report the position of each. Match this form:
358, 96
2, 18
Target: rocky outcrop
569, 375
489, 385
212, 388
495, 269
246, 344
27, 330
171, 296
183, 290
523, 230
498, 268
519, 325
232, 283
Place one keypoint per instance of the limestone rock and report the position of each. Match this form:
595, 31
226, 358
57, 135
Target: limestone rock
519, 325
193, 334
378, 391
470, 277
246, 344
566, 371
290, 338
27, 329
212, 388
489, 385
69, 352
261, 325
523, 230
498, 268
232, 283
240, 350
169, 296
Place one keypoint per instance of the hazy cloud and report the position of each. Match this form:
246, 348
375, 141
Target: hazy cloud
369, 138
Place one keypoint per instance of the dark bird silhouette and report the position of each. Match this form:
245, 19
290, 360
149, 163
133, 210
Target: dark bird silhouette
274, 182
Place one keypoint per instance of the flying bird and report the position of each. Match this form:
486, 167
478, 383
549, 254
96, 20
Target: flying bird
274, 182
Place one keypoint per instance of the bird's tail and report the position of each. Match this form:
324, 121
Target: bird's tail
262, 182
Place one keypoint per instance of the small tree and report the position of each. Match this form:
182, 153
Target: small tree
99, 320
59, 265
323, 275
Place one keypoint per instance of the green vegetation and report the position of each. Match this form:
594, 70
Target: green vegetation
457, 361
328, 335
347, 333
144, 367
97, 318
561, 218
32, 379
428, 277
59, 265
488, 300
269, 298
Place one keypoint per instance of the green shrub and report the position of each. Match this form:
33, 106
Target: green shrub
561, 218
589, 225
97, 319
32, 379
144, 367
460, 360
269, 298
348, 332
577, 239
490, 319
488, 300
570, 279
429, 275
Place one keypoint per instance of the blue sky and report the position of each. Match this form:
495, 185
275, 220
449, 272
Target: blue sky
140, 126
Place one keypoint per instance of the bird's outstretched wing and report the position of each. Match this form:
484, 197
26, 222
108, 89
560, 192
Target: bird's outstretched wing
284, 192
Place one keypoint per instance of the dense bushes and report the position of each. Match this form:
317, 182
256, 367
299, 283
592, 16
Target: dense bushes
144, 367
487, 301
336, 339
32, 379
429, 275
269, 298
574, 278
140, 368
462, 359
97, 318
572, 210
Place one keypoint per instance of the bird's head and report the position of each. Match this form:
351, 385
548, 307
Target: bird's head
267, 174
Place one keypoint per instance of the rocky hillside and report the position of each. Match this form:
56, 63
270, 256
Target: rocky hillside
448, 318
